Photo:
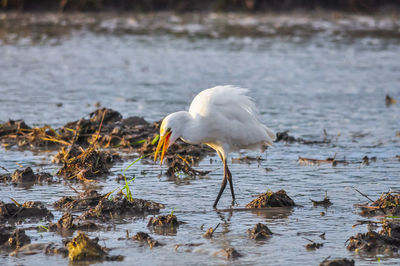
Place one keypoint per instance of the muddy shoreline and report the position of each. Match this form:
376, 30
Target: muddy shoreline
190, 6
87, 150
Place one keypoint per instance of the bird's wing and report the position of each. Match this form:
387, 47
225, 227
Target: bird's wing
229, 98
230, 116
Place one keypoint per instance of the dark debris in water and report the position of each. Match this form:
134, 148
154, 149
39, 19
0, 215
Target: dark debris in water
247, 159
19, 212
144, 237
314, 246
326, 202
285, 137
387, 204
272, 199
259, 232
310, 161
337, 262
367, 160
386, 241
389, 100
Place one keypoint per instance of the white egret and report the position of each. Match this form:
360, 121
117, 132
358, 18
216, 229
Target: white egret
225, 119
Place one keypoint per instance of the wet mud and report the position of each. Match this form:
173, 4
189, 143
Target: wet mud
99, 207
117, 207
272, 199
27, 176
67, 224
13, 240
30, 210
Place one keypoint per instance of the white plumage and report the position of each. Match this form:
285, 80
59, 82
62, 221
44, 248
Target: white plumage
224, 118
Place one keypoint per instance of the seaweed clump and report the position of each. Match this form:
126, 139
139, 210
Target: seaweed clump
17, 132
388, 204
19, 212
385, 241
272, 199
84, 164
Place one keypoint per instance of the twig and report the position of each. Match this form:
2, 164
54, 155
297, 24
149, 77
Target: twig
363, 194
308, 239
4, 169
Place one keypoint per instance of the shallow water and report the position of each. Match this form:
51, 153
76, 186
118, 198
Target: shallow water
306, 76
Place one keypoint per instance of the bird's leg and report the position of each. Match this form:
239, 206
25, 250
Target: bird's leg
228, 176
223, 185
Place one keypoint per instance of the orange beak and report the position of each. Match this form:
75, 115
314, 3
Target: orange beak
163, 140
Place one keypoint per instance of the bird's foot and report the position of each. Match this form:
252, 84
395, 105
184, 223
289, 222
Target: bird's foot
234, 203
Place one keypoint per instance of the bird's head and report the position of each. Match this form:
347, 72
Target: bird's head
170, 130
